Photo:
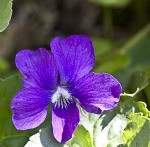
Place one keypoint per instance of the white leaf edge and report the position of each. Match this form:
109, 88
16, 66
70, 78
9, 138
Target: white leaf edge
35, 140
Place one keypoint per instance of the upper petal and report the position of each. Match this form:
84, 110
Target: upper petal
97, 92
38, 68
74, 57
29, 107
64, 121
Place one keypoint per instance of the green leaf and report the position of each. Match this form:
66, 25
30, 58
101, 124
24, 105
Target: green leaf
112, 3
105, 61
138, 80
140, 54
16, 141
4, 66
44, 138
137, 86
81, 138
8, 133
147, 93
101, 46
8, 88
113, 64
5, 13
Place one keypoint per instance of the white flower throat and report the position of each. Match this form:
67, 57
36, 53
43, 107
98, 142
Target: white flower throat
61, 98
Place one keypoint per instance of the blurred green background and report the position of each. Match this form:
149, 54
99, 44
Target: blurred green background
119, 30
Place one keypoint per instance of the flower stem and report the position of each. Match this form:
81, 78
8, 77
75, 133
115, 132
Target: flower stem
135, 39
108, 22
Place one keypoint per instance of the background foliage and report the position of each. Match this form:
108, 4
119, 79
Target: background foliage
120, 31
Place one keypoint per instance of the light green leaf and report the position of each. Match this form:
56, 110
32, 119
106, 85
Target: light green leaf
137, 131
106, 129
131, 94
138, 122
111, 135
44, 138
5, 13
81, 138
128, 105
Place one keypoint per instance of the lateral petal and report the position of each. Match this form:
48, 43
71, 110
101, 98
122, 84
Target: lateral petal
97, 92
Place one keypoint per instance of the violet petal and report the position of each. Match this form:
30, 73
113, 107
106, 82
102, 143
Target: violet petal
97, 92
74, 57
29, 107
64, 122
38, 68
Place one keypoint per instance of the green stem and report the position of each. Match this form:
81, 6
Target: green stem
128, 45
108, 22
140, 8
135, 39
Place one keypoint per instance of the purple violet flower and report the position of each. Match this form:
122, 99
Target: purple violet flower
61, 77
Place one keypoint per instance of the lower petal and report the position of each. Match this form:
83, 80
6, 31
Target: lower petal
97, 92
64, 122
29, 107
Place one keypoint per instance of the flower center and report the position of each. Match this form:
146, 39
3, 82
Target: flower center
61, 98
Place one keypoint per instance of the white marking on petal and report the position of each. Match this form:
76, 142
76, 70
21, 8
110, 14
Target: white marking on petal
61, 98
